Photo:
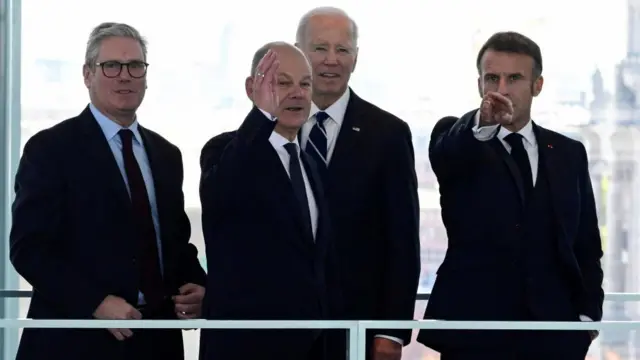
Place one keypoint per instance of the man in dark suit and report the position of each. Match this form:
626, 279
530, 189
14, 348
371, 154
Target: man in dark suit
367, 162
519, 209
265, 224
99, 228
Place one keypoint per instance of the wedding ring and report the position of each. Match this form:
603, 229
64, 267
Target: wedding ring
260, 74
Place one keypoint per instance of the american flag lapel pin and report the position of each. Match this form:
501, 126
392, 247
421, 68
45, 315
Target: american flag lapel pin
355, 128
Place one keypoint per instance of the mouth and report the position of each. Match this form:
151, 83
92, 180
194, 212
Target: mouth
329, 75
294, 108
124, 92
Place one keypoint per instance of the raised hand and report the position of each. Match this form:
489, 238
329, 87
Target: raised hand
265, 95
496, 109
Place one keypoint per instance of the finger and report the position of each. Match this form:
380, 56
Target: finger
135, 314
188, 288
187, 308
116, 333
503, 101
192, 298
266, 62
186, 316
127, 333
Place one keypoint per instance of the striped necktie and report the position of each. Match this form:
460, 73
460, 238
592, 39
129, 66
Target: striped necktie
317, 142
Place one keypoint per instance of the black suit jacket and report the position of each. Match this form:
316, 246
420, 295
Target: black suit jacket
478, 235
263, 262
371, 188
72, 237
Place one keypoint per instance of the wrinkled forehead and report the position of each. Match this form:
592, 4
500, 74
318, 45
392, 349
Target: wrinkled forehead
120, 49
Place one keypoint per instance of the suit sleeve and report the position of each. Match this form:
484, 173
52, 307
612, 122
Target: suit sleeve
37, 250
451, 149
190, 270
218, 182
588, 247
403, 239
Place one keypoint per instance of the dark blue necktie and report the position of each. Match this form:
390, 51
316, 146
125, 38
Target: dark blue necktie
317, 142
519, 154
297, 182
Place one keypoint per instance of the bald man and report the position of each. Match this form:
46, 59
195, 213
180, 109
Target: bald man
265, 224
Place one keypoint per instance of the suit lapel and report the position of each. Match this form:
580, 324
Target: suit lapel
160, 176
347, 136
278, 186
555, 171
102, 160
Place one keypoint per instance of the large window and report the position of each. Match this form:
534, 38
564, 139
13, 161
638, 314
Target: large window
417, 60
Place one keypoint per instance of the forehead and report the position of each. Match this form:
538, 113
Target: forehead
329, 28
293, 63
505, 62
120, 48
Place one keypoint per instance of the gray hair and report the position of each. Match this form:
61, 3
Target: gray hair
108, 30
303, 25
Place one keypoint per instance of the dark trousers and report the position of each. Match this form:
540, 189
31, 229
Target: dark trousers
155, 344
530, 345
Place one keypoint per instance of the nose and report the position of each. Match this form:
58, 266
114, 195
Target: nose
503, 86
331, 57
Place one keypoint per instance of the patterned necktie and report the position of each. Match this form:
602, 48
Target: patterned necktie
317, 142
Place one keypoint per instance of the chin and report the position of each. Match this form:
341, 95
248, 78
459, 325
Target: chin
292, 121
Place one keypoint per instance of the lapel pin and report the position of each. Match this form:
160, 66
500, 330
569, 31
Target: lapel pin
550, 146
355, 128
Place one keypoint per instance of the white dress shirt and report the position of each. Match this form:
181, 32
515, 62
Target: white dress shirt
278, 142
486, 133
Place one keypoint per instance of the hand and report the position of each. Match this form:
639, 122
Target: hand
117, 308
496, 109
385, 349
188, 305
264, 93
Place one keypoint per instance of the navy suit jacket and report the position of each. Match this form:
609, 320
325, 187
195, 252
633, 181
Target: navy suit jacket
474, 281
263, 262
72, 237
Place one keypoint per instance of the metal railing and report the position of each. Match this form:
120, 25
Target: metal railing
356, 329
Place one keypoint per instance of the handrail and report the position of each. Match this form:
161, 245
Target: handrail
421, 296
357, 329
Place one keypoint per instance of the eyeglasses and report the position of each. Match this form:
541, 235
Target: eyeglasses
112, 69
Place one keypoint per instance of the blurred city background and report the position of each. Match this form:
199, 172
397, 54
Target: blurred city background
416, 59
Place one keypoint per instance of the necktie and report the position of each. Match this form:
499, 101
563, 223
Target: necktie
317, 142
297, 181
150, 280
519, 154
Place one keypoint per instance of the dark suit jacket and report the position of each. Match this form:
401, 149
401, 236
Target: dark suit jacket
263, 263
72, 236
476, 217
371, 187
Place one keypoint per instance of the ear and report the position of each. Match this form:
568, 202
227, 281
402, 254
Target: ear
537, 85
480, 92
86, 74
355, 61
248, 87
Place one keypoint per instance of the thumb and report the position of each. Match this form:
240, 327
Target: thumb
187, 288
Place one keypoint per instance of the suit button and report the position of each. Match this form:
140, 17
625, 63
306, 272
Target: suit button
133, 260
517, 226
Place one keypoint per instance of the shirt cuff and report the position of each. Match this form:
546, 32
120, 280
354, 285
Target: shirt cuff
585, 318
269, 116
484, 133
399, 341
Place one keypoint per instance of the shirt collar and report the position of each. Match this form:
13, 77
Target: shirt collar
111, 128
337, 110
526, 132
278, 141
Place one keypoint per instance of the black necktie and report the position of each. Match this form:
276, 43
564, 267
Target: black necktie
151, 283
317, 143
297, 181
519, 154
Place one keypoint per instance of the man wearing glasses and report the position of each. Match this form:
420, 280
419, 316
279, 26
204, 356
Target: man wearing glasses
99, 228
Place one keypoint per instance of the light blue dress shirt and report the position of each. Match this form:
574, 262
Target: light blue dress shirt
110, 130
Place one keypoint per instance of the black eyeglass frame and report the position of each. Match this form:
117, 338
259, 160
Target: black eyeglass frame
121, 64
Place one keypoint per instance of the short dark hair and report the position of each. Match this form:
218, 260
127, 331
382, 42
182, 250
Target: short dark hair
513, 42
